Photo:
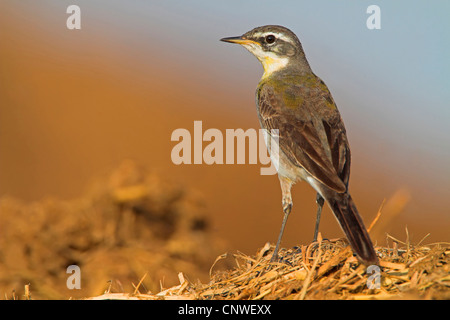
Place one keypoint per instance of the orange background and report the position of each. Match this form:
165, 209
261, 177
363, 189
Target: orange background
76, 103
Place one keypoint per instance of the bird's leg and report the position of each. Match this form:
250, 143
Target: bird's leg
286, 185
320, 201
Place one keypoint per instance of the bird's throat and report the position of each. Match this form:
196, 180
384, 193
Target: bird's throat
271, 64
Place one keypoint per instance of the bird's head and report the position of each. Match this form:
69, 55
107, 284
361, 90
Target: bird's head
276, 47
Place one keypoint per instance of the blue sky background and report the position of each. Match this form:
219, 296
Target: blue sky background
77, 101
391, 85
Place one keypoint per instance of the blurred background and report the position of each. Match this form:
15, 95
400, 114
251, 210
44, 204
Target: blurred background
75, 104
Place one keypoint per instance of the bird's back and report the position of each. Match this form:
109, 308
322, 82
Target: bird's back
312, 133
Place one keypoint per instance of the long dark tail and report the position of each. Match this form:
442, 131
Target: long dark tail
351, 223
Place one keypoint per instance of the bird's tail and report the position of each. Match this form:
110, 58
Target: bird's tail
351, 223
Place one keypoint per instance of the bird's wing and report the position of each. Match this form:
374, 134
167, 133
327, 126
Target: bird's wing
311, 132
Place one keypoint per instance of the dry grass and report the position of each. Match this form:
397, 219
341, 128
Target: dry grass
130, 222
326, 269
135, 225
323, 270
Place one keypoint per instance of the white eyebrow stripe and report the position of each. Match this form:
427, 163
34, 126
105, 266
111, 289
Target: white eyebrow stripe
276, 34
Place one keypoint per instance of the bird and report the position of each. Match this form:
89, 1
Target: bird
298, 112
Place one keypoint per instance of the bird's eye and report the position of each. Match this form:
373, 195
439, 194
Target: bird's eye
270, 38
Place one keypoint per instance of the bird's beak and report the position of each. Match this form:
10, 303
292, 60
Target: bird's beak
239, 40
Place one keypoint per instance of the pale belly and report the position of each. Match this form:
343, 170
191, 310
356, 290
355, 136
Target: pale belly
286, 168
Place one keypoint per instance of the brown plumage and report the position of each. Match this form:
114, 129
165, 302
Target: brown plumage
312, 139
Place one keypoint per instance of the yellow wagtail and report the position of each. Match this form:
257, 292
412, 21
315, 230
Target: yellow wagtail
313, 145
